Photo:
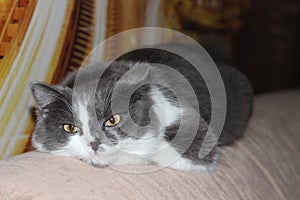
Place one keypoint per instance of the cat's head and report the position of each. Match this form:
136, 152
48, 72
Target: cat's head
75, 118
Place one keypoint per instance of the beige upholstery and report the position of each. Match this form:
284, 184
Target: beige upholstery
263, 165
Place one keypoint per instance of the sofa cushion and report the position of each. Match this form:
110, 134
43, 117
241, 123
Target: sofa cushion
264, 164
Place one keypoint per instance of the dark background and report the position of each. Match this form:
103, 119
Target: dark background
267, 46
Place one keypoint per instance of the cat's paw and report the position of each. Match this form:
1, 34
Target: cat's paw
97, 165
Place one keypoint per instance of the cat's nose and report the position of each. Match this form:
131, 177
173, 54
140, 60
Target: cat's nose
95, 144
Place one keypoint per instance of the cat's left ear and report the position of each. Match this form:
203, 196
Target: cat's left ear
44, 94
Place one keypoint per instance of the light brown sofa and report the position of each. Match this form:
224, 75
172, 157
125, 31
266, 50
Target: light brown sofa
265, 164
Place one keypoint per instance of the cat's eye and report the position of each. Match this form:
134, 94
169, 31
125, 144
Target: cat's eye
112, 121
69, 128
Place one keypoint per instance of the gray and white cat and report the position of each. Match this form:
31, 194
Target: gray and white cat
76, 118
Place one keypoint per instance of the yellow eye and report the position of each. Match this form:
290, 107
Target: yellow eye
113, 121
69, 128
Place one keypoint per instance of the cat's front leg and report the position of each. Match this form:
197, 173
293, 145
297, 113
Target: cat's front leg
168, 156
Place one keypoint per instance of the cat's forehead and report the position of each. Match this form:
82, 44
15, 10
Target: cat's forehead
99, 78
95, 87
92, 99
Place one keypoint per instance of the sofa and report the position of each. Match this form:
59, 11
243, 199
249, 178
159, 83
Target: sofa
264, 164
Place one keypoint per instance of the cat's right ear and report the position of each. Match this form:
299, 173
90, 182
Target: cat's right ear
44, 94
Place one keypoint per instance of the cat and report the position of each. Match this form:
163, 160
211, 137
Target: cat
85, 117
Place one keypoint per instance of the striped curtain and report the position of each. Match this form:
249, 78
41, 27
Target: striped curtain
32, 38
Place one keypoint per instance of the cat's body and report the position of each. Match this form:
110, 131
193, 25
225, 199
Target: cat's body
85, 125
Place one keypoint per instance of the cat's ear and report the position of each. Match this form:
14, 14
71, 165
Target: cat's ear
44, 94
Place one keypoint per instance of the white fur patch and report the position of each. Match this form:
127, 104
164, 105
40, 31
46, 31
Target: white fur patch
167, 156
83, 116
129, 151
167, 112
38, 146
75, 148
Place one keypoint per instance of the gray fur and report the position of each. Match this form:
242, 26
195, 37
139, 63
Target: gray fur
55, 107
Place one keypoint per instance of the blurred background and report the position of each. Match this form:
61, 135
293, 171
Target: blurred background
44, 40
